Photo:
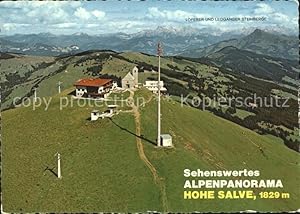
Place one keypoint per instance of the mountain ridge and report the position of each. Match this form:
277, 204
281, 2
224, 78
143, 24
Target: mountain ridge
177, 41
248, 62
258, 41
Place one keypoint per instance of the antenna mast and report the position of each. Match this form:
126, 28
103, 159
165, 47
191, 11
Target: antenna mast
159, 53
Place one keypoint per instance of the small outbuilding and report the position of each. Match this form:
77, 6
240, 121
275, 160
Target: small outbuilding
112, 108
166, 140
111, 111
152, 85
94, 115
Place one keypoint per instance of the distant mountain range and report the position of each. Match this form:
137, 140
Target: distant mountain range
185, 41
259, 41
175, 40
38, 48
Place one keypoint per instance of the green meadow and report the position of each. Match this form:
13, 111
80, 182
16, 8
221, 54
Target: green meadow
102, 169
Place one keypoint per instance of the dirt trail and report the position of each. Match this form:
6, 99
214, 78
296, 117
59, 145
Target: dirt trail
158, 181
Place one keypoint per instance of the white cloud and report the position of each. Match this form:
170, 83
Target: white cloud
92, 25
12, 26
10, 4
66, 16
82, 13
98, 14
49, 15
9, 26
295, 21
65, 25
176, 15
274, 17
263, 8
280, 17
34, 12
124, 25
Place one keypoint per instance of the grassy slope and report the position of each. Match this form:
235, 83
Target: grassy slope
205, 141
49, 86
101, 168
114, 66
20, 66
181, 64
117, 67
100, 165
242, 113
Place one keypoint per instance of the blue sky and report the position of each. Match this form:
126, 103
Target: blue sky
99, 17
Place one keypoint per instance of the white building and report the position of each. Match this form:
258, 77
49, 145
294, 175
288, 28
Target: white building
153, 86
95, 88
94, 115
131, 79
166, 140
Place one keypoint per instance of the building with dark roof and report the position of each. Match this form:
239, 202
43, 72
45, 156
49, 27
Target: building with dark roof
94, 87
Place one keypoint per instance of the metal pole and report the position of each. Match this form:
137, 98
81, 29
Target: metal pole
59, 87
58, 166
158, 91
35, 95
